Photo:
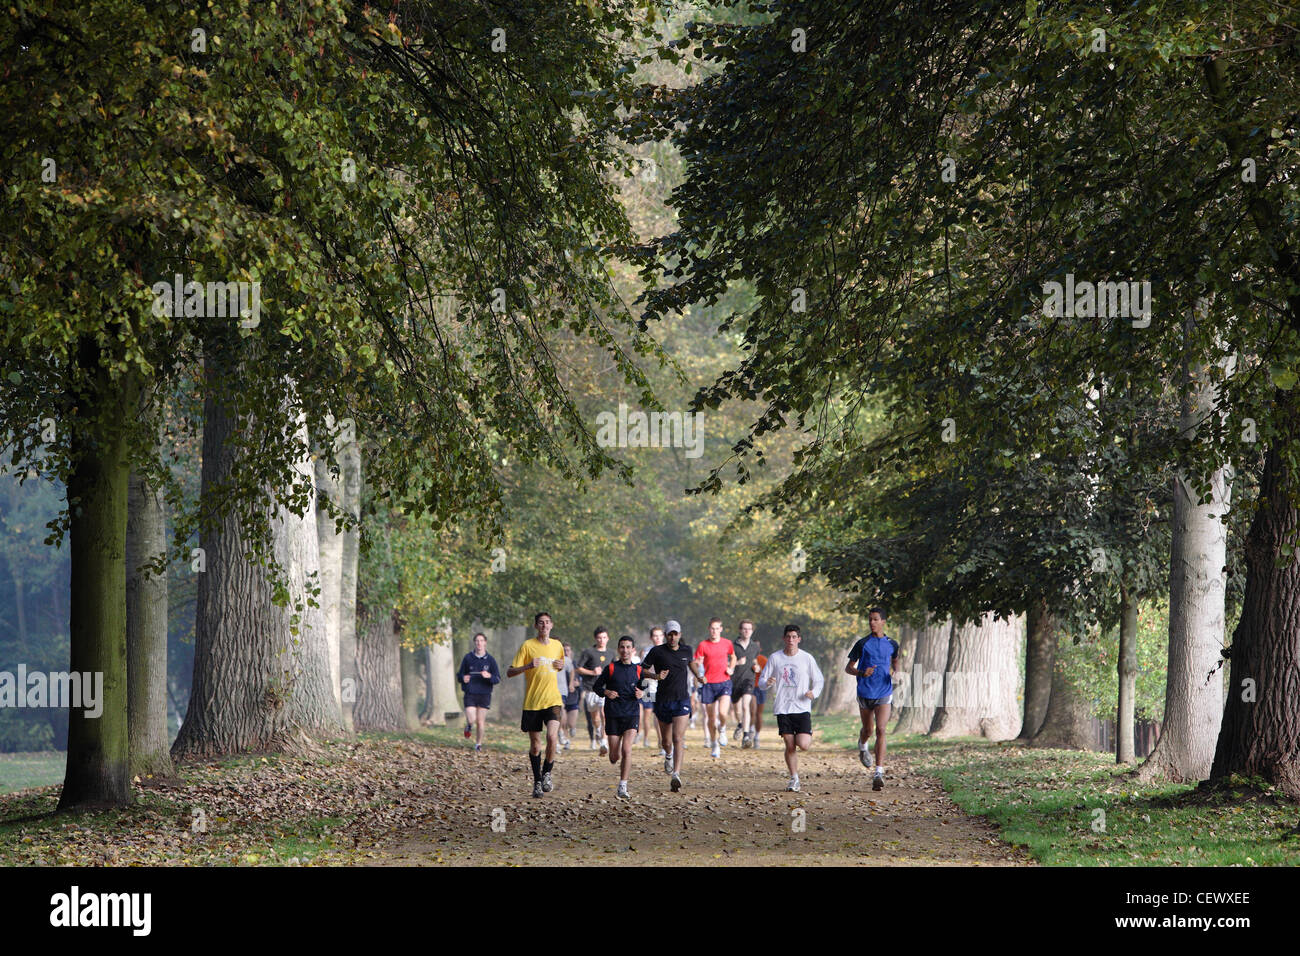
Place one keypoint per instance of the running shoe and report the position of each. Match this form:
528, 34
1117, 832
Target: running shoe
866, 761
547, 786
622, 791
537, 788
755, 743
478, 748
793, 786
745, 742
722, 739
567, 742
594, 745
717, 751
675, 783
467, 730
604, 748
668, 762
877, 781
738, 732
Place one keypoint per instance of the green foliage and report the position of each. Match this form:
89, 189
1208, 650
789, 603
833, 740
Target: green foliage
1089, 664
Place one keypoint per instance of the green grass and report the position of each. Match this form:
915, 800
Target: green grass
1076, 808
20, 771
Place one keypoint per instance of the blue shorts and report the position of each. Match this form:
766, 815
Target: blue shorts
871, 703
479, 700
647, 701
666, 710
760, 695
571, 700
711, 692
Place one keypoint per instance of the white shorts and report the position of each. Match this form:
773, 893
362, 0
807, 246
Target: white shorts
594, 700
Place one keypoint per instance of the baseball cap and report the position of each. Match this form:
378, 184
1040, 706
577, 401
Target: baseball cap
672, 626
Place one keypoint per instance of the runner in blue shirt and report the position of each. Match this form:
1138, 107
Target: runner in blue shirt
478, 673
872, 661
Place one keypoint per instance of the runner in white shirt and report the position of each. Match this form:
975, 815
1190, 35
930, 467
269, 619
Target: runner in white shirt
795, 681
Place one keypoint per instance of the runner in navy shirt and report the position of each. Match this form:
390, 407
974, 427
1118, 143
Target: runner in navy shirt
619, 682
872, 661
478, 672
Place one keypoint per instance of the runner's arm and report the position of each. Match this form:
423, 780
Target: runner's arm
818, 681
514, 671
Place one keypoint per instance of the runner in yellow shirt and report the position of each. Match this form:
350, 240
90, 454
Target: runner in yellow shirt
538, 658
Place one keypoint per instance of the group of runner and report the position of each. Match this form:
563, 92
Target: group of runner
618, 687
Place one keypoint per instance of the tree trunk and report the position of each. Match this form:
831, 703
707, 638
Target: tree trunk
410, 689
841, 693
445, 702
311, 704
980, 682
20, 602
1126, 670
330, 540
349, 678
1260, 733
146, 632
1068, 725
1198, 551
379, 697
922, 685
426, 653
1041, 632
98, 773
257, 685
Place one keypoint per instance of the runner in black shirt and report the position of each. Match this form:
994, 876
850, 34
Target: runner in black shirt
669, 663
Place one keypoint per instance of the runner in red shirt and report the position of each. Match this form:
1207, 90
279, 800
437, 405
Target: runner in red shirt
719, 660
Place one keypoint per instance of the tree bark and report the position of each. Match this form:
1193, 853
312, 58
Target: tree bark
922, 685
841, 693
1260, 733
426, 654
1067, 725
410, 689
980, 682
98, 773
146, 632
1126, 671
1041, 630
379, 697
349, 678
330, 540
257, 685
1198, 552
445, 702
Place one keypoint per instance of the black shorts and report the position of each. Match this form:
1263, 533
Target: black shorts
793, 724
618, 726
537, 719
739, 690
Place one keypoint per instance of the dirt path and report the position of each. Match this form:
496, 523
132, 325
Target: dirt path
733, 810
